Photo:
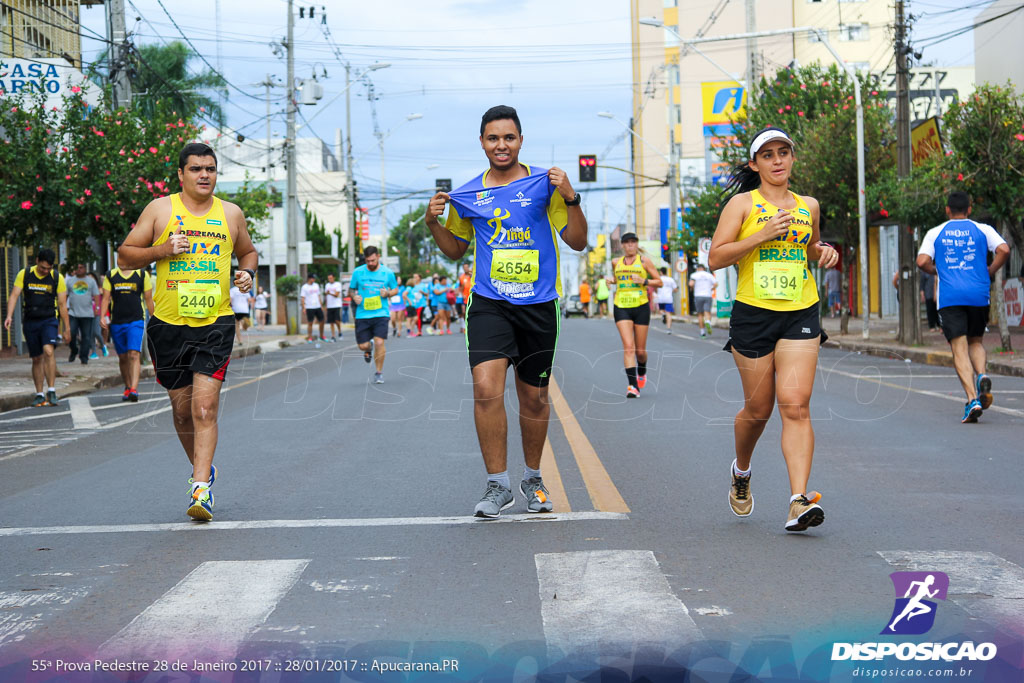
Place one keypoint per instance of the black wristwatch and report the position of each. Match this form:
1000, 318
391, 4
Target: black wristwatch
252, 273
575, 201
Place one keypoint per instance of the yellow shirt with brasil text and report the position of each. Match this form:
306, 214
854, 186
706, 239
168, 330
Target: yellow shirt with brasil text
192, 288
775, 275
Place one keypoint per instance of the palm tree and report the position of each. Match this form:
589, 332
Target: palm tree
161, 81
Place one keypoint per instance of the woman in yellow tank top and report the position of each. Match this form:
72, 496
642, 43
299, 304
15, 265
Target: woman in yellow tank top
771, 234
634, 273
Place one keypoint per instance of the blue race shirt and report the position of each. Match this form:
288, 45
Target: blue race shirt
960, 249
437, 295
516, 229
368, 283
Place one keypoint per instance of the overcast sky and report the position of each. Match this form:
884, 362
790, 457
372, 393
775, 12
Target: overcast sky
558, 62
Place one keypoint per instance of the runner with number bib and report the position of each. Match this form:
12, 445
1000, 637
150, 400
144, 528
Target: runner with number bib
191, 237
634, 273
775, 331
513, 212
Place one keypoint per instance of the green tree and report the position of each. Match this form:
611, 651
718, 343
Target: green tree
814, 104
162, 82
255, 201
416, 249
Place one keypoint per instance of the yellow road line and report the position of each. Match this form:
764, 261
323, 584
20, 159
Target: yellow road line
603, 494
553, 479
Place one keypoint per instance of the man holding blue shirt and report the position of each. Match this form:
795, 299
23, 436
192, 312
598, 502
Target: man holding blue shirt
962, 292
371, 286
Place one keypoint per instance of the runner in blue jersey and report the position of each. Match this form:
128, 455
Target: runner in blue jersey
957, 252
370, 287
515, 213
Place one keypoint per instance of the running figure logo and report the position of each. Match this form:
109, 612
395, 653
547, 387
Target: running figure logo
914, 612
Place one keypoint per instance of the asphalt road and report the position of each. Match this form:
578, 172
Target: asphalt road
344, 534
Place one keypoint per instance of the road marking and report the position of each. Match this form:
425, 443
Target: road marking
923, 392
192, 527
983, 584
553, 479
22, 611
684, 336
609, 601
603, 493
216, 606
81, 413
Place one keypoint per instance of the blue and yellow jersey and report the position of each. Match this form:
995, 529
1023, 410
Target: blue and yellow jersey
516, 227
775, 275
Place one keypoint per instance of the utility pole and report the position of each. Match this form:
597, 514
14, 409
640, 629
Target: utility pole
268, 83
350, 184
751, 51
292, 220
910, 326
118, 53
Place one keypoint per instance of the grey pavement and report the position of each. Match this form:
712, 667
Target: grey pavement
343, 527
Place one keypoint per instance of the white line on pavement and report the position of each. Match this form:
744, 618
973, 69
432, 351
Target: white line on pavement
608, 602
923, 392
216, 606
985, 585
310, 523
81, 413
22, 611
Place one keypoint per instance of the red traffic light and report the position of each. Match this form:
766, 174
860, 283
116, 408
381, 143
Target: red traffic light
588, 168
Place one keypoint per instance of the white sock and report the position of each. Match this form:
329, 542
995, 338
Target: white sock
530, 474
50, 389
501, 478
738, 472
795, 496
39, 393
197, 484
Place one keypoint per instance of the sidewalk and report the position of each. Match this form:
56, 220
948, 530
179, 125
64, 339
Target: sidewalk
882, 342
75, 379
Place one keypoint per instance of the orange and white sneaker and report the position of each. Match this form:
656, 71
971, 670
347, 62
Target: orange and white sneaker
641, 381
632, 392
804, 512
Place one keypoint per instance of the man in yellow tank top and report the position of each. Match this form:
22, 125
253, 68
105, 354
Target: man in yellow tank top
191, 237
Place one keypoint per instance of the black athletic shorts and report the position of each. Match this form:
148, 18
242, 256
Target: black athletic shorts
334, 315
313, 314
524, 335
960, 321
639, 315
178, 351
39, 333
754, 331
368, 328
241, 316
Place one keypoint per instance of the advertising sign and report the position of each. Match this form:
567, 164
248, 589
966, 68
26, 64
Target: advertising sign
52, 77
722, 103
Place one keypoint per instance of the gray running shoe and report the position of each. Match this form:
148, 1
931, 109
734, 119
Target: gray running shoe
496, 498
537, 498
378, 378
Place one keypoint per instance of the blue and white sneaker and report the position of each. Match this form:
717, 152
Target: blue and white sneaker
972, 411
213, 476
983, 385
200, 507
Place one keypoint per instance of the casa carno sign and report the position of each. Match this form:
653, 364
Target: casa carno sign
53, 78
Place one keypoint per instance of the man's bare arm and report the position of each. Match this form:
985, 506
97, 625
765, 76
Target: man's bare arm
137, 250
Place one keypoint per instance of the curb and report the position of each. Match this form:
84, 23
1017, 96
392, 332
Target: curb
81, 388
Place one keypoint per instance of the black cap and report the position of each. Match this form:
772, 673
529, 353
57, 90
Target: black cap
629, 237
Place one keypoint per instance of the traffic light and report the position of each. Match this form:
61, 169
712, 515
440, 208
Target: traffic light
588, 168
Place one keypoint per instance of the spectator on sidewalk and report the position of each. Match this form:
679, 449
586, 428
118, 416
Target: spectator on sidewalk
962, 293
261, 304
99, 333
312, 301
928, 297
332, 292
665, 297
585, 298
602, 295
45, 297
833, 287
240, 307
123, 296
83, 294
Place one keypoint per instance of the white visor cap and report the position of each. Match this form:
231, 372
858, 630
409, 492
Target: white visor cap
766, 137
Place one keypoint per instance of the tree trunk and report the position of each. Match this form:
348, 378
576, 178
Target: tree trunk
1004, 329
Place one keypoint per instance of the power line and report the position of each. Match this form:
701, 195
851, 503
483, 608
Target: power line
932, 40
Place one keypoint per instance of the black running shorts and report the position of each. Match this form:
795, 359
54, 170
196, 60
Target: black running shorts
639, 315
334, 315
754, 331
368, 328
178, 351
314, 314
961, 321
524, 335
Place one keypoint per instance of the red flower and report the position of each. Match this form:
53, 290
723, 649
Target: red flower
98, 132
109, 186
39, 188
75, 89
883, 213
26, 205
788, 107
62, 202
1019, 136
959, 176
152, 150
799, 113
88, 193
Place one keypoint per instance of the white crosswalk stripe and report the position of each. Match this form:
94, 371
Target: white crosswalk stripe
609, 602
24, 610
985, 585
215, 608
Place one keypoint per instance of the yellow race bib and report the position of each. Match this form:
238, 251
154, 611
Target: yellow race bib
199, 299
372, 303
778, 280
515, 265
630, 298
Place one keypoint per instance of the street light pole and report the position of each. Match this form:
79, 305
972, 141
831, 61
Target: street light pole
859, 110
292, 216
383, 185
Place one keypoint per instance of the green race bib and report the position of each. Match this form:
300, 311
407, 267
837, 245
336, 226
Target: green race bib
778, 280
372, 303
198, 299
630, 298
515, 265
